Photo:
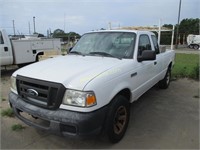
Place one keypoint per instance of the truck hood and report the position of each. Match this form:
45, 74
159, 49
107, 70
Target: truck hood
73, 71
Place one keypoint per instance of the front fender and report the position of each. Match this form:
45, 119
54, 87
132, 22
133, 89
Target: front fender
120, 87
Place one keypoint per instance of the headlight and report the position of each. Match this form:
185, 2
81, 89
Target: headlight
79, 98
13, 83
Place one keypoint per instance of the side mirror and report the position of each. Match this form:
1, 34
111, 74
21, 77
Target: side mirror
147, 55
70, 49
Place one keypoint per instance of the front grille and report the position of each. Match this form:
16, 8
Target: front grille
40, 93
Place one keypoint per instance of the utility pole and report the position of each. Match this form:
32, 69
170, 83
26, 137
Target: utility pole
29, 28
34, 24
13, 26
159, 32
64, 22
199, 26
177, 30
110, 26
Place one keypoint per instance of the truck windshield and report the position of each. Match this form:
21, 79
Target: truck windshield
108, 44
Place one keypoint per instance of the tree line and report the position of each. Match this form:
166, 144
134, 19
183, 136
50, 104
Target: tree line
71, 36
186, 27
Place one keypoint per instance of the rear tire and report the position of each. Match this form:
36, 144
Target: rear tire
191, 46
117, 118
164, 83
196, 46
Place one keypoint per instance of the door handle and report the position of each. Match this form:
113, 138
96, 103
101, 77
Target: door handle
155, 63
5, 49
133, 74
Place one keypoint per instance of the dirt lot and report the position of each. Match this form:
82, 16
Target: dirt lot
160, 119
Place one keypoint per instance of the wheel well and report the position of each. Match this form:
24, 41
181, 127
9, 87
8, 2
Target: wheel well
126, 93
37, 57
193, 44
170, 65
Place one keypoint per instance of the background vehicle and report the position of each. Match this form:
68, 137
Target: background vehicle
90, 89
24, 51
193, 41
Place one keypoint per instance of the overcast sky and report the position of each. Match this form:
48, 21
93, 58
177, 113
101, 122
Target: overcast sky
86, 15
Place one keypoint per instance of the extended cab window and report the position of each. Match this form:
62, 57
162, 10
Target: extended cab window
144, 44
155, 44
1, 39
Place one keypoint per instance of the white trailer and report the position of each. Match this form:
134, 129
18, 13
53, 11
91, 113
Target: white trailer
193, 41
24, 51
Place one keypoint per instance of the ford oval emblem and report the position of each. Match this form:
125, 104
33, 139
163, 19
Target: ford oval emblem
32, 92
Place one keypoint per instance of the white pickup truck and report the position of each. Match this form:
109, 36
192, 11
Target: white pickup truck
90, 90
24, 51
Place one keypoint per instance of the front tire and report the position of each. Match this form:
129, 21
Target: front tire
164, 83
118, 118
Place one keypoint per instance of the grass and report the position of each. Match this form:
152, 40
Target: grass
3, 99
17, 127
7, 112
186, 65
196, 96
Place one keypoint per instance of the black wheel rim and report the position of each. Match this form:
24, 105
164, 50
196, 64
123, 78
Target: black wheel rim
120, 119
196, 47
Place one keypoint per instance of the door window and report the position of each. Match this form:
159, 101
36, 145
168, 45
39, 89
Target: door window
144, 44
155, 43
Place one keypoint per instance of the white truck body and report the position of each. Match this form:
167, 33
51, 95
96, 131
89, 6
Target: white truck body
108, 81
24, 50
193, 41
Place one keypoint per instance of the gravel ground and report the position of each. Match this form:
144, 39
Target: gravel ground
160, 119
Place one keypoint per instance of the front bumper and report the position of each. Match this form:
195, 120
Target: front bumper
60, 121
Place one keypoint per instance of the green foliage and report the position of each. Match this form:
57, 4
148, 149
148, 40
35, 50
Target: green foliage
170, 26
186, 27
39, 34
73, 34
189, 26
186, 65
58, 33
3, 99
7, 112
196, 71
165, 38
17, 127
196, 96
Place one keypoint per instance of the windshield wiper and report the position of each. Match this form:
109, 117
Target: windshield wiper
76, 52
103, 54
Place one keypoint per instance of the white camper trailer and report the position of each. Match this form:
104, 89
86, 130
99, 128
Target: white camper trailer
193, 41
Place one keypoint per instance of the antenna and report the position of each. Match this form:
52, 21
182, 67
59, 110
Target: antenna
159, 32
29, 28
